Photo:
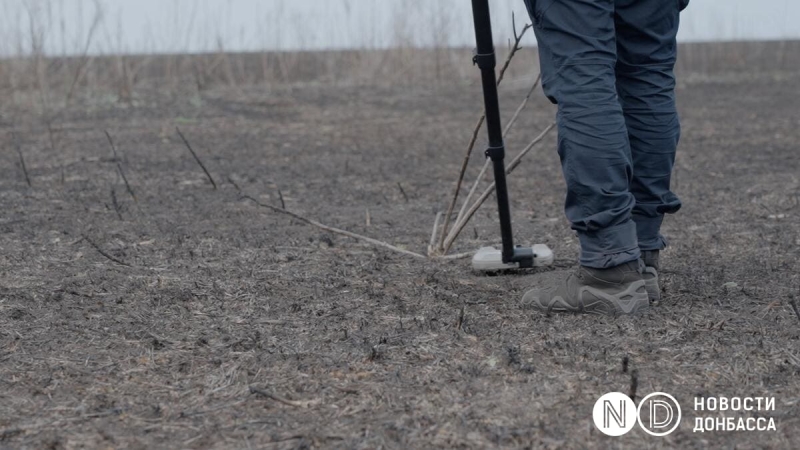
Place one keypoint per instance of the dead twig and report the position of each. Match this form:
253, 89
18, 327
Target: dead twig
103, 253
21, 159
487, 163
335, 230
514, 49
509, 168
115, 203
196, 158
85, 58
119, 166
280, 196
402, 191
287, 402
236, 185
522, 106
457, 189
433, 233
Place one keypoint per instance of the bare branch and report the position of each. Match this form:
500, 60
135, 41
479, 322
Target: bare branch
463, 170
280, 197
474, 138
196, 158
509, 168
98, 18
21, 158
293, 403
402, 191
522, 106
487, 163
119, 166
335, 230
103, 253
433, 233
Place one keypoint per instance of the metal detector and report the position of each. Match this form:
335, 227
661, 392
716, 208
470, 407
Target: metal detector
510, 257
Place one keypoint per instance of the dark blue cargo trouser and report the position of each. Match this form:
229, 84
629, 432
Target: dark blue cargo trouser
608, 64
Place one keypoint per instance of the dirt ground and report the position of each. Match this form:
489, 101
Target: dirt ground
193, 318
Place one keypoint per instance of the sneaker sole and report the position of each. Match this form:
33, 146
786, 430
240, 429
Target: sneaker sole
633, 300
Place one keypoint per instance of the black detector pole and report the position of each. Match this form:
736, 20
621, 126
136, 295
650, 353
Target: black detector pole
486, 61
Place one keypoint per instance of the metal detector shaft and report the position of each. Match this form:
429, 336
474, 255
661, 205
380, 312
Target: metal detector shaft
486, 60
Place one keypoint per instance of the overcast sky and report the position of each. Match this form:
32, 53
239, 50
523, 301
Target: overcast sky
150, 26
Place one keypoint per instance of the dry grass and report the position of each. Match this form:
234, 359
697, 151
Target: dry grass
123, 76
230, 326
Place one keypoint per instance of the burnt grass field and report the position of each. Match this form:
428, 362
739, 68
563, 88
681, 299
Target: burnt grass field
192, 317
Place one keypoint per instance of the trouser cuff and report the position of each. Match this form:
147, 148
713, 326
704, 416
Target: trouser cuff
648, 230
609, 247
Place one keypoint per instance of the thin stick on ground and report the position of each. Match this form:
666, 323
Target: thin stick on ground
487, 163
103, 253
287, 402
115, 203
489, 190
402, 191
119, 165
433, 233
21, 159
280, 197
334, 230
196, 158
514, 49
475, 131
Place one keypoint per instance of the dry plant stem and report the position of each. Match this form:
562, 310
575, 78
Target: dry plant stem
456, 256
472, 190
21, 160
103, 253
196, 158
464, 164
509, 168
433, 233
119, 166
514, 49
522, 106
402, 191
280, 197
98, 18
335, 230
487, 163
294, 403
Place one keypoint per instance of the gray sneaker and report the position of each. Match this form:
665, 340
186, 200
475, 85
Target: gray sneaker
612, 292
650, 275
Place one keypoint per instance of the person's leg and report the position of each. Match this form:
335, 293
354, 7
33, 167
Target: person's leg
646, 54
577, 52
